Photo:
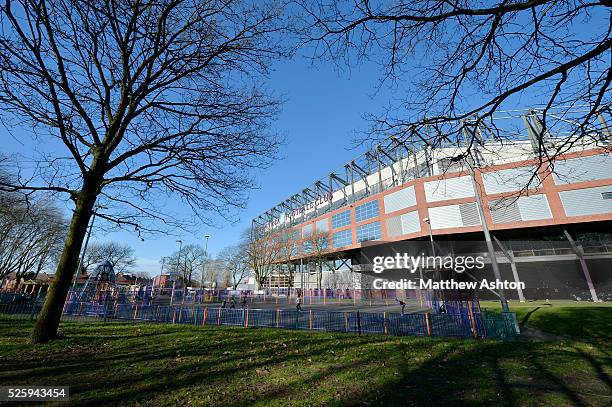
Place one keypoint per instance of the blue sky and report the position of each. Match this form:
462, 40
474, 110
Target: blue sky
323, 109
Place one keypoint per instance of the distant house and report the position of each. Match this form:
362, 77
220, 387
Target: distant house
29, 284
125, 279
162, 281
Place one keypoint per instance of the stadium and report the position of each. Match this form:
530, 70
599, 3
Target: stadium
549, 218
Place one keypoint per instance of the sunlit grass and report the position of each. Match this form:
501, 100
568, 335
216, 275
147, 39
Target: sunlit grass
155, 364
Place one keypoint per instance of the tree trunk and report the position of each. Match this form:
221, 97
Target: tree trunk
49, 317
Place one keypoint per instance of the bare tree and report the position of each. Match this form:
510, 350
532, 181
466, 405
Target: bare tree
459, 62
263, 253
288, 247
32, 235
148, 99
121, 256
318, 245
235, 262
142, 276
210, 273
187, 263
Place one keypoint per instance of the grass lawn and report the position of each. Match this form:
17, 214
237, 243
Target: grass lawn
584, 321
154, 364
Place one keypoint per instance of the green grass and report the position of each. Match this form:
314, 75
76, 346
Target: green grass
153, 364
582, 321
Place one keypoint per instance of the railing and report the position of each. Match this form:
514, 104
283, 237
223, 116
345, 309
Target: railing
472, 325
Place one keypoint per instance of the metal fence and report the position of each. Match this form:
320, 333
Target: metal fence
473, 325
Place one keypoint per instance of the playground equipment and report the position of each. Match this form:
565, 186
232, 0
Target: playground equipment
93, 298
100, 281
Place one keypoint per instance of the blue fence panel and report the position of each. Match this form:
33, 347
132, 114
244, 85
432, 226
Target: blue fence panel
262, 318
372, 323
407, 325
232, 316
465, 325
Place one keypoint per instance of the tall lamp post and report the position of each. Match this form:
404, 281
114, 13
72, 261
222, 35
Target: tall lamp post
204, 263
178, 258
93, 218
178, 266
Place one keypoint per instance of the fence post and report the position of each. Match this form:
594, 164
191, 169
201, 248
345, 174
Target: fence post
247, 317
385, 328
219, 317
346, 321
205, 315
135, 311
473, 321
358, 323
427, 323
310, 320
277, 317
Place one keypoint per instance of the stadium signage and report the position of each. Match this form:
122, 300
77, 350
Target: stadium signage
320, 200
310, 205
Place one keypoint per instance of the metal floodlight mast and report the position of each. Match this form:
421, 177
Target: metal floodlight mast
206, 237
485, 227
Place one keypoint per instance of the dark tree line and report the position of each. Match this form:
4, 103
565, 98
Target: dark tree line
31, 236
121, 256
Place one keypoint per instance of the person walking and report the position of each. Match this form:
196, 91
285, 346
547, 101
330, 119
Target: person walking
298, 303
402, 303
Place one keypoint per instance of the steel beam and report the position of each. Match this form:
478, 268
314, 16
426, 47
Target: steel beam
580, 254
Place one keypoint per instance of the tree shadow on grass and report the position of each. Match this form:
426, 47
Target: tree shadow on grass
526, 317
219, 375
457, 373
586, 324
244, 366
501, 373
93, 382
